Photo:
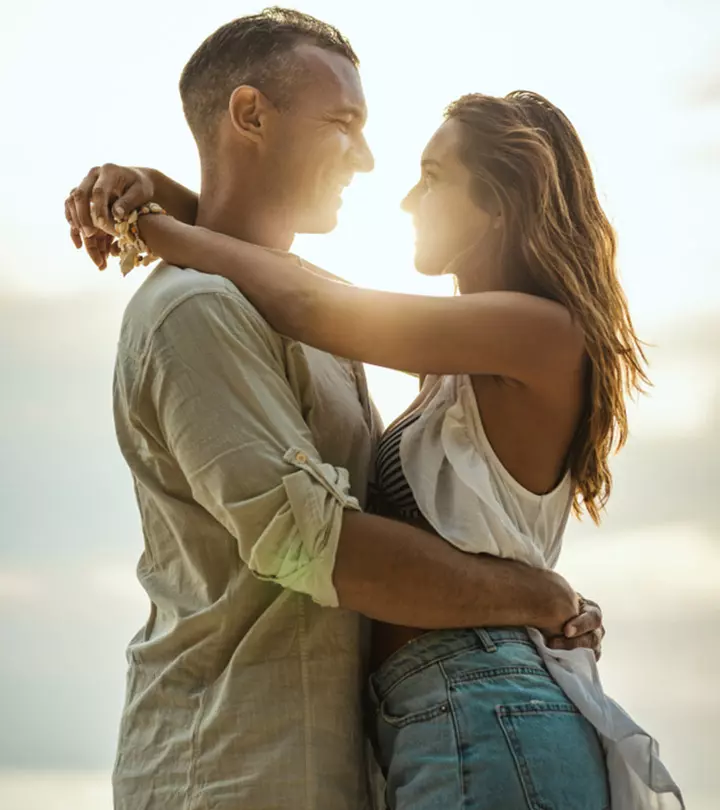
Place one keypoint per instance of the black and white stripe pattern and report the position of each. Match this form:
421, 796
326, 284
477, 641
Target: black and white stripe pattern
392, 486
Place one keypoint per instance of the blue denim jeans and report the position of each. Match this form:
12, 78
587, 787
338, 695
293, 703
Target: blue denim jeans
471, 719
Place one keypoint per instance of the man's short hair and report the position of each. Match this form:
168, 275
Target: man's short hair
255, 50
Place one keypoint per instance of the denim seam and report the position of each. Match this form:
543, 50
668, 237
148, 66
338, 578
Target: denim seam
512, 640
458, 741
420, 667
498, 672
414, 717
524, 775
541, 707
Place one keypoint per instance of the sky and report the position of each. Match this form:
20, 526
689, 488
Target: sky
83, 83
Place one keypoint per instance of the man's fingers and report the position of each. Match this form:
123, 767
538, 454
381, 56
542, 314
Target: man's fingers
590, 619
591, 641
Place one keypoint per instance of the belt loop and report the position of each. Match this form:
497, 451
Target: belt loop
485, 639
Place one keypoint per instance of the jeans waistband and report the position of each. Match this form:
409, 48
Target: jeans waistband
437, 645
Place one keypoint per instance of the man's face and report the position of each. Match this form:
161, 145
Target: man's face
315, 147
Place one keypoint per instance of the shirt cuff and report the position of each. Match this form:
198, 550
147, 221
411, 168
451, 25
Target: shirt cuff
297, 549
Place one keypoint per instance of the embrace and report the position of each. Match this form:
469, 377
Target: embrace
343, 616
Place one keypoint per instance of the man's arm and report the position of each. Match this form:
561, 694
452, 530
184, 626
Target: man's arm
400, 574
227, 414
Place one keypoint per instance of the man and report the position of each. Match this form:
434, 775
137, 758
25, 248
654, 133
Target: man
250, 455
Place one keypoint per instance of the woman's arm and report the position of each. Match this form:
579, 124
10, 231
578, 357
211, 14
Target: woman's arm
519, 336
180, 202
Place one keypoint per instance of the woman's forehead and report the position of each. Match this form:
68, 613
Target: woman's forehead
443, 147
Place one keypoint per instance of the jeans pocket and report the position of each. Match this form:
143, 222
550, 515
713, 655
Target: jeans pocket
417, 698
558, 756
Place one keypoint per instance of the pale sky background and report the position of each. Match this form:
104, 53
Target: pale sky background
641, 82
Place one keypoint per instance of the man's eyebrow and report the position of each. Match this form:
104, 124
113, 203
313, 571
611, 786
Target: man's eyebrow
351, 110
429, 163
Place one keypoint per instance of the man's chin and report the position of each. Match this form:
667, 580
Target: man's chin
318, 225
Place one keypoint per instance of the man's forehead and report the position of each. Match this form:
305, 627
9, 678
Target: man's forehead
335, 79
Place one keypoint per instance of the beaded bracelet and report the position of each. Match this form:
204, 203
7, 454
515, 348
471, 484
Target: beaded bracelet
133, 251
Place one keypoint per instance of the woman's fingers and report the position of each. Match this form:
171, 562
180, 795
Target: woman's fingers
80, 200
114, 183
90, 208
138, 193
87, 209
105, 190
75, 234
97, 249
590, 641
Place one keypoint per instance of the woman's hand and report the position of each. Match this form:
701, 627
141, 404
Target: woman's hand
105, 191
111, 191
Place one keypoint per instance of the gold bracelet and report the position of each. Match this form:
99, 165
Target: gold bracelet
133, 251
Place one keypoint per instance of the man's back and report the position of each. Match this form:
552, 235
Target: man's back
242, 691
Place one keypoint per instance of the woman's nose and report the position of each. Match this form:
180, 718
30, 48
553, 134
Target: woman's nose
408, 203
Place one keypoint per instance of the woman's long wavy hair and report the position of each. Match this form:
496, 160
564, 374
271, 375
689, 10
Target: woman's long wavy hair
525, 155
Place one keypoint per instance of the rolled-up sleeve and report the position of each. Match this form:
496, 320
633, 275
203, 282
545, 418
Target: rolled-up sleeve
217, 379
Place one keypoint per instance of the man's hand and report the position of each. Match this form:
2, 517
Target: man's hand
585, 630
90, 208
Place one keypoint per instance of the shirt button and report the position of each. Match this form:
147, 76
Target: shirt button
301, 458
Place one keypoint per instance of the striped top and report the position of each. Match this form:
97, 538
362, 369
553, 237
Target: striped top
392, 488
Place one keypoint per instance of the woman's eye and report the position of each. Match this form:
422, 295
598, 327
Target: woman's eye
344, 126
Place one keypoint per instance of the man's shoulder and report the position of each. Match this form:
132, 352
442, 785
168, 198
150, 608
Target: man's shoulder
167, 288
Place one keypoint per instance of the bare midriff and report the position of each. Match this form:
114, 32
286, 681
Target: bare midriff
388, 638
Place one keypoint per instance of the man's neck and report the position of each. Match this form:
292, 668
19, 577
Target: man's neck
226, 210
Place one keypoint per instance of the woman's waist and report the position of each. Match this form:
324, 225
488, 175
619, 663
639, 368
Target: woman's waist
410, 649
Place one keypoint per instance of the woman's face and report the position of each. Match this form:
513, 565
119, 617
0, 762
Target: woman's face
447, 221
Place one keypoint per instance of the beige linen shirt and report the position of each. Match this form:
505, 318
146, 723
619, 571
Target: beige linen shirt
244, 687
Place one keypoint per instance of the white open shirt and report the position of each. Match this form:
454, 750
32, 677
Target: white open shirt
470, 499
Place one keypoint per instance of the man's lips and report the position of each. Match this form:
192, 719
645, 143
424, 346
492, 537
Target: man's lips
341, 185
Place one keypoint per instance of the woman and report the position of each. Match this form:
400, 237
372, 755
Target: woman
525, 378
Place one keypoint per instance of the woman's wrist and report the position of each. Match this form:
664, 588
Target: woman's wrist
158, 183
170, 239
180, 202
132, 242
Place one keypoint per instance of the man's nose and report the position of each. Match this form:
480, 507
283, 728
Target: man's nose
364, 160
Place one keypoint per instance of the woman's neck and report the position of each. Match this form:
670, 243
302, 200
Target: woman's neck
477, 280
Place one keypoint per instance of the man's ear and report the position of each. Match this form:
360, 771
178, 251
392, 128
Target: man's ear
248, 109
